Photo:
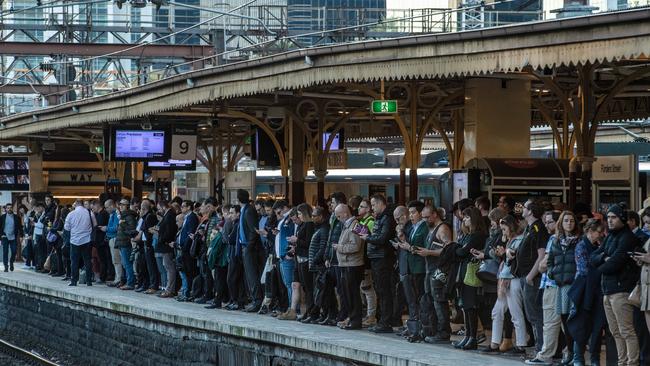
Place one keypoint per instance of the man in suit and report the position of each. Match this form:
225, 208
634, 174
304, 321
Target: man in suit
165, 246
188, 264
248, 241
11, 229
412, 266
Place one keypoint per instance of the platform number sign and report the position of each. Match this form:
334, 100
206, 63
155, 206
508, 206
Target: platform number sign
384, 106
184, 144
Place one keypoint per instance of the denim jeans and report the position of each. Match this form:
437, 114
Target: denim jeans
125, 254
161, 269
286, 268
184, 285
6, 245
533, 310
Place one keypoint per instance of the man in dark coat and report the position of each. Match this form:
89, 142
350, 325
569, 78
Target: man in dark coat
253, 256
11, 229
165, 244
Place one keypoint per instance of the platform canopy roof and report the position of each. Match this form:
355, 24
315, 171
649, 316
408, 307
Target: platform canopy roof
618, 43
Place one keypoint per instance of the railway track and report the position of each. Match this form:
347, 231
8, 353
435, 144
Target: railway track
15, 355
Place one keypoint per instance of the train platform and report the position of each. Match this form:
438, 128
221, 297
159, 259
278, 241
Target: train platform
348, 347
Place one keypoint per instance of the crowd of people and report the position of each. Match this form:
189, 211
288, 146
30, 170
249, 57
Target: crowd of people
518, 275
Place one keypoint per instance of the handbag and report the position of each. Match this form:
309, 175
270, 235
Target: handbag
93, 232
470, 274
51, 237
488, 270
635, 296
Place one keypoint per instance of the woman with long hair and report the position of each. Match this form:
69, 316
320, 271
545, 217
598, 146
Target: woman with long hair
561, 268
301, 241
587, 320
473, 226
507, 298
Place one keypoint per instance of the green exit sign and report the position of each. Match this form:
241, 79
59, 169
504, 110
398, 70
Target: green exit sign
384, 106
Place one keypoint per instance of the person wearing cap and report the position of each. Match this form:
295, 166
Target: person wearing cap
126, 229
619, 276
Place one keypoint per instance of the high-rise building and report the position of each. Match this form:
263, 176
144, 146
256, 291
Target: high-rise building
312, 16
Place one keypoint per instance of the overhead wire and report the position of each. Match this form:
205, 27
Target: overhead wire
307, 34
144, 44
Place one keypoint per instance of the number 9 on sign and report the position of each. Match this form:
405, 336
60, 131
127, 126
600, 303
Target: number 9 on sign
183, 147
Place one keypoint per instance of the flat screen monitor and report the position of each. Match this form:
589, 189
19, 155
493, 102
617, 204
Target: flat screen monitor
336, 142
9, 164
172, 164
140, 144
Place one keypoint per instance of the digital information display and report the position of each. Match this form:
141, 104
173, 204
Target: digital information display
172, 164
133, 144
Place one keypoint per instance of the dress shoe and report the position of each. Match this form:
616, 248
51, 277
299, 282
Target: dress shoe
461, 343
415, 338
369, 321
11, 267
441, 339
506, 345
307, 320
288, 315
378, 328
325, 321
516, 351
200, 300
252, 308
6, 269
352, 326
264, 309
489, 350
471, 344
403, 333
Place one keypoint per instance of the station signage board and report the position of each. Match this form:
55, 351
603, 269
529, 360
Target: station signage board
383, 106
184, 143
609, 168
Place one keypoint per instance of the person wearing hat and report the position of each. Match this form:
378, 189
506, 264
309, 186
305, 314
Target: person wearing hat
619, 276
126, 229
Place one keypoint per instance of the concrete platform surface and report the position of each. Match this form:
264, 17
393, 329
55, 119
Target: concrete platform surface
359, 346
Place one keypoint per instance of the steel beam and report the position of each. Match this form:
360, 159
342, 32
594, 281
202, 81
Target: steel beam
43, 89
80, 49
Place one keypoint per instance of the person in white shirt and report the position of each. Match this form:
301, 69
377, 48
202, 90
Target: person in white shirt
80, 222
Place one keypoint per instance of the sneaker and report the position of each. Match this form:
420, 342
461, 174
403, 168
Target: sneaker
537, 361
